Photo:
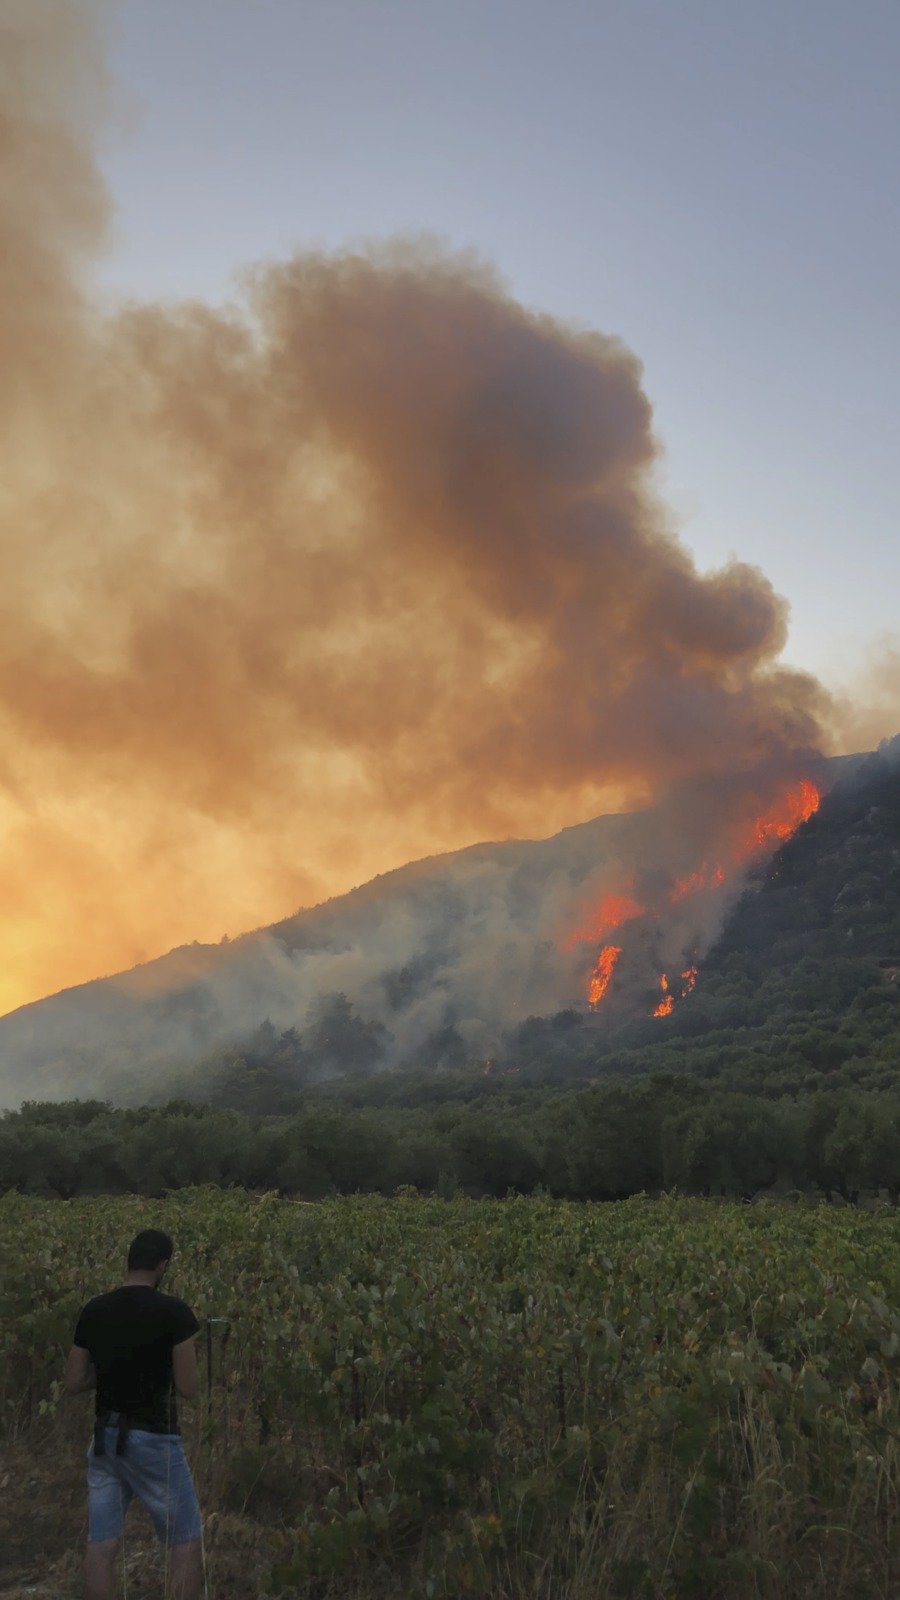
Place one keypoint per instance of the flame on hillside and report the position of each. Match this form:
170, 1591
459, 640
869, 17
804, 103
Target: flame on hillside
601, 976
797, 806
667, 1003
696, 883
668, 1000
613, 910
621, 904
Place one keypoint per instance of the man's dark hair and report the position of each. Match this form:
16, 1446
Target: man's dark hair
148, 1249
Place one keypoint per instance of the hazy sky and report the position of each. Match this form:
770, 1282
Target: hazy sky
715, 182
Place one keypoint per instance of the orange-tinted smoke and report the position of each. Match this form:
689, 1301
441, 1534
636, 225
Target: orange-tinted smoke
366, 567
614, 908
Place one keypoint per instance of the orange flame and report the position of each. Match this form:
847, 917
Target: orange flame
668, 1000
613, 910
602, 973
696, 882
667, 1003
796, 806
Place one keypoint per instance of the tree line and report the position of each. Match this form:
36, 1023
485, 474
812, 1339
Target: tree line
603, 1142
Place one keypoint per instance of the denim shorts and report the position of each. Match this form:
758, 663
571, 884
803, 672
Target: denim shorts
152, 1467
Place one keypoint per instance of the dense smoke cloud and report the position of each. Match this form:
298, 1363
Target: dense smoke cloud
366, 566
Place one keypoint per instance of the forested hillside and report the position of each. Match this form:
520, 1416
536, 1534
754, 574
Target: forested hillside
801, 991
438, 964
802, 987
804, 980
782, 1067
465, 938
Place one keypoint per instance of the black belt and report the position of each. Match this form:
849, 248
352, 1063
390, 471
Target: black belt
111, 1419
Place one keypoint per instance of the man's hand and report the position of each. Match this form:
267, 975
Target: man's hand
79, 1374
184, 1369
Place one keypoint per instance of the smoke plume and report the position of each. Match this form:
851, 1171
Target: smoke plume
368, 565
868, 707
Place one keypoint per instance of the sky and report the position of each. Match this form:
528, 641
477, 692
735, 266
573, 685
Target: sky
715, 183
361, 368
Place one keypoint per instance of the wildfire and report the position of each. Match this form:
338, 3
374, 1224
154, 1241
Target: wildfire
620, 905
667, 1001
614, 909
796, 806
602, 973
696, 883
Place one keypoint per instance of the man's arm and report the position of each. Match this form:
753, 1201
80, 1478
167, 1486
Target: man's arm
79, 1374
184, 1369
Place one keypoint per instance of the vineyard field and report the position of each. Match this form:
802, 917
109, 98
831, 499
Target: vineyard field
522, 1399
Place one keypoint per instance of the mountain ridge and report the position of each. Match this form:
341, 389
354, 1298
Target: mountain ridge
410, 947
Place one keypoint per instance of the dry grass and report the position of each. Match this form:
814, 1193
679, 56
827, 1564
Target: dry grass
618, 1538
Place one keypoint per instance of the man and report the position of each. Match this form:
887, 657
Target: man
136, 1346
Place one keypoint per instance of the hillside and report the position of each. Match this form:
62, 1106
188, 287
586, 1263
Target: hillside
780, 1067
450, 935
801, 986
804, 978
460, 957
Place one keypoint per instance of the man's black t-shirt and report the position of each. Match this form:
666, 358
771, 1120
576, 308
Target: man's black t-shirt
129, 1335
